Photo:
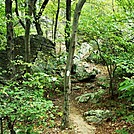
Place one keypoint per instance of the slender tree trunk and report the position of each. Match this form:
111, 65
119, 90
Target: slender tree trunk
113, 8
53, 27
56, 20
10, 125
36, 21
42, 9
38, 27
37, 16
67, 79
1, 125
17, 14
27, 32
109, 69
10, 45
46, 30
68, 21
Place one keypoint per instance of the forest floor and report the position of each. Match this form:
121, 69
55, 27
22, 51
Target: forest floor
77, 121
78, 125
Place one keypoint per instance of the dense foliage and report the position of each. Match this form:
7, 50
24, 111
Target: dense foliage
110, 33
26, 104
25, 100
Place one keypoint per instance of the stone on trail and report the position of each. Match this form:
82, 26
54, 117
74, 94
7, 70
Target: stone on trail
83, 98
96, 116
76, 88
94, 97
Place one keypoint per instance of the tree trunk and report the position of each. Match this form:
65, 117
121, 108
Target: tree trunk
38, 27
17, 14
1, 125
53, 27
10, 125
27, 32
68, 21
42, 8
10, 45
56, 20
67, 80
37, 16
36, 21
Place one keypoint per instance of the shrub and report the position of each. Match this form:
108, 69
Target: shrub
127, 89
23, 107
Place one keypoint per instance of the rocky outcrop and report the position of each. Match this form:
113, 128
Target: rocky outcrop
83, 76
37, 42
97, 116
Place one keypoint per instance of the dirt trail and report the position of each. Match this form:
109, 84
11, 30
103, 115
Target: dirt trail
81, 127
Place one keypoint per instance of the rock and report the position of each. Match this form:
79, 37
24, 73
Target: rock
3, 60
83, 52
98, 113
38, 43
93, 119
94, 97
89, 78
76, 88
97, 116
81, 72
83, 76
83, 98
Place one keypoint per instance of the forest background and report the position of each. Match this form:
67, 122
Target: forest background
35, 52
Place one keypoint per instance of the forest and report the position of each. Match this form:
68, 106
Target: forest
66, 66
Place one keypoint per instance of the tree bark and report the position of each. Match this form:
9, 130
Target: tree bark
36, 21
56, 20
37, 16
1, 125
67, 79
68, 21
42, 9
27, 32
17, 13
10, 125
9, 26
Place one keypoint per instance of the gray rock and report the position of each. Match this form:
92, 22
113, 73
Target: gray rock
94, 97
93, 119
76, 88
38, 43
97, 116
83, 98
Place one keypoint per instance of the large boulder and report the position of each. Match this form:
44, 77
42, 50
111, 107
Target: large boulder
37, 43
97, 116
83, 76
93, 97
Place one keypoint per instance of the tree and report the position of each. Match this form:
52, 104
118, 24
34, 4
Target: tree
110, 32
56, 20
27, 31
17, 14
68, 21
36, 16
10, 45
67, 79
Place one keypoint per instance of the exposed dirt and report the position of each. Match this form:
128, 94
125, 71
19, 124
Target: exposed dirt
77, 123
80, 126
